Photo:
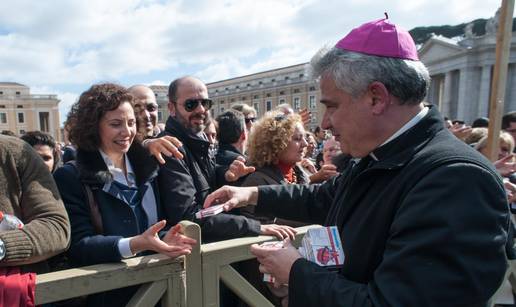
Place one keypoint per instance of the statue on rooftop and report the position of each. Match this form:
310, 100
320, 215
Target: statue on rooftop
492, 23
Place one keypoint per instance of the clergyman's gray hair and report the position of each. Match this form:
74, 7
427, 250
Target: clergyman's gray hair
353, 72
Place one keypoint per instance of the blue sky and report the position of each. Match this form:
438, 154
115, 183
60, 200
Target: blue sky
63, 46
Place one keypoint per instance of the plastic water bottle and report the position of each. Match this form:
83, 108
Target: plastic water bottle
9, 222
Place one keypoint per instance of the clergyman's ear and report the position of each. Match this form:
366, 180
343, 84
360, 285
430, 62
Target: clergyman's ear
379, 97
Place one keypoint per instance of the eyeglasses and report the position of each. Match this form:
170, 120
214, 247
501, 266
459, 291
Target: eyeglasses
250, 120
192, 104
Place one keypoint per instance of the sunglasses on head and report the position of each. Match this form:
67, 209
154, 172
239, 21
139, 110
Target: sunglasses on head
250, 120
192, 103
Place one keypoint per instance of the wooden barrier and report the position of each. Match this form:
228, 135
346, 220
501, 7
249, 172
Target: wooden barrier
159, 275
185, 281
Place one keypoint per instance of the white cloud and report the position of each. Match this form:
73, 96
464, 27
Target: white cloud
75, 42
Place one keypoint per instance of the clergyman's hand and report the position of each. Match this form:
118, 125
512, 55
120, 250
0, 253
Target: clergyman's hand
232, 197
276, 261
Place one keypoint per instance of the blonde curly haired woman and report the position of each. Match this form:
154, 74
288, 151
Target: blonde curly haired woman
275, 145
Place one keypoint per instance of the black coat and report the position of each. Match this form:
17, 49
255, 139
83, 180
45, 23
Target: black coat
119, 221
425, 225
185, 183
226, 154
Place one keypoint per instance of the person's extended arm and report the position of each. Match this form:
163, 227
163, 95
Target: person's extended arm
308, 203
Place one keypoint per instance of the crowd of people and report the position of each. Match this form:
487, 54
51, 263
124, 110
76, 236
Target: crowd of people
423, 216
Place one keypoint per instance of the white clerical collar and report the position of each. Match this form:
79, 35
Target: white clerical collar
411, 123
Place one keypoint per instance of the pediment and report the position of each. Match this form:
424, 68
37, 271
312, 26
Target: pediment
438, 48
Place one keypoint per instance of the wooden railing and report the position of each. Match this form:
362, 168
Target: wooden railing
184, 281
160, 277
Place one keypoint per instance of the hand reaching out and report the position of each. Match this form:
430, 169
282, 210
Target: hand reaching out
506, 166
238, 169
172, 245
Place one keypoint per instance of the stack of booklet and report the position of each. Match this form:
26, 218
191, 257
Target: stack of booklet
210, 211
319, 245
323, 246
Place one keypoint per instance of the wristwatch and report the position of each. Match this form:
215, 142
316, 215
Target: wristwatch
2, 250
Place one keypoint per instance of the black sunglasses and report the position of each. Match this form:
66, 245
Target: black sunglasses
192, 104
250, 120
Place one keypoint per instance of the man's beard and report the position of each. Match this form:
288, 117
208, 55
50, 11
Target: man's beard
195, 129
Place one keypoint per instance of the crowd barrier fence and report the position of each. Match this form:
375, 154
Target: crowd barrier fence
190, 281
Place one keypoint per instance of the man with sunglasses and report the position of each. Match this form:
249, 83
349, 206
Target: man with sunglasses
185, 183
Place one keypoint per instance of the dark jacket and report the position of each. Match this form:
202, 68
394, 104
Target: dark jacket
269, 175
185, 183
425, 225
226, 154
119, 221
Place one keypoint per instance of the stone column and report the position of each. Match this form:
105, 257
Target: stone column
484, 92
465, 101
447, 95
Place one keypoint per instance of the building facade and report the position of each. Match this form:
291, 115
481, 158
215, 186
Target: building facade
462, 73
266, 90
263, 91
161, 93
20, 111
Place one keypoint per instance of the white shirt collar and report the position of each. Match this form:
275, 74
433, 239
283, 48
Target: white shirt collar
118, 174
411, 123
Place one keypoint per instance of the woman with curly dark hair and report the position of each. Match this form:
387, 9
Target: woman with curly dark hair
110, 192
